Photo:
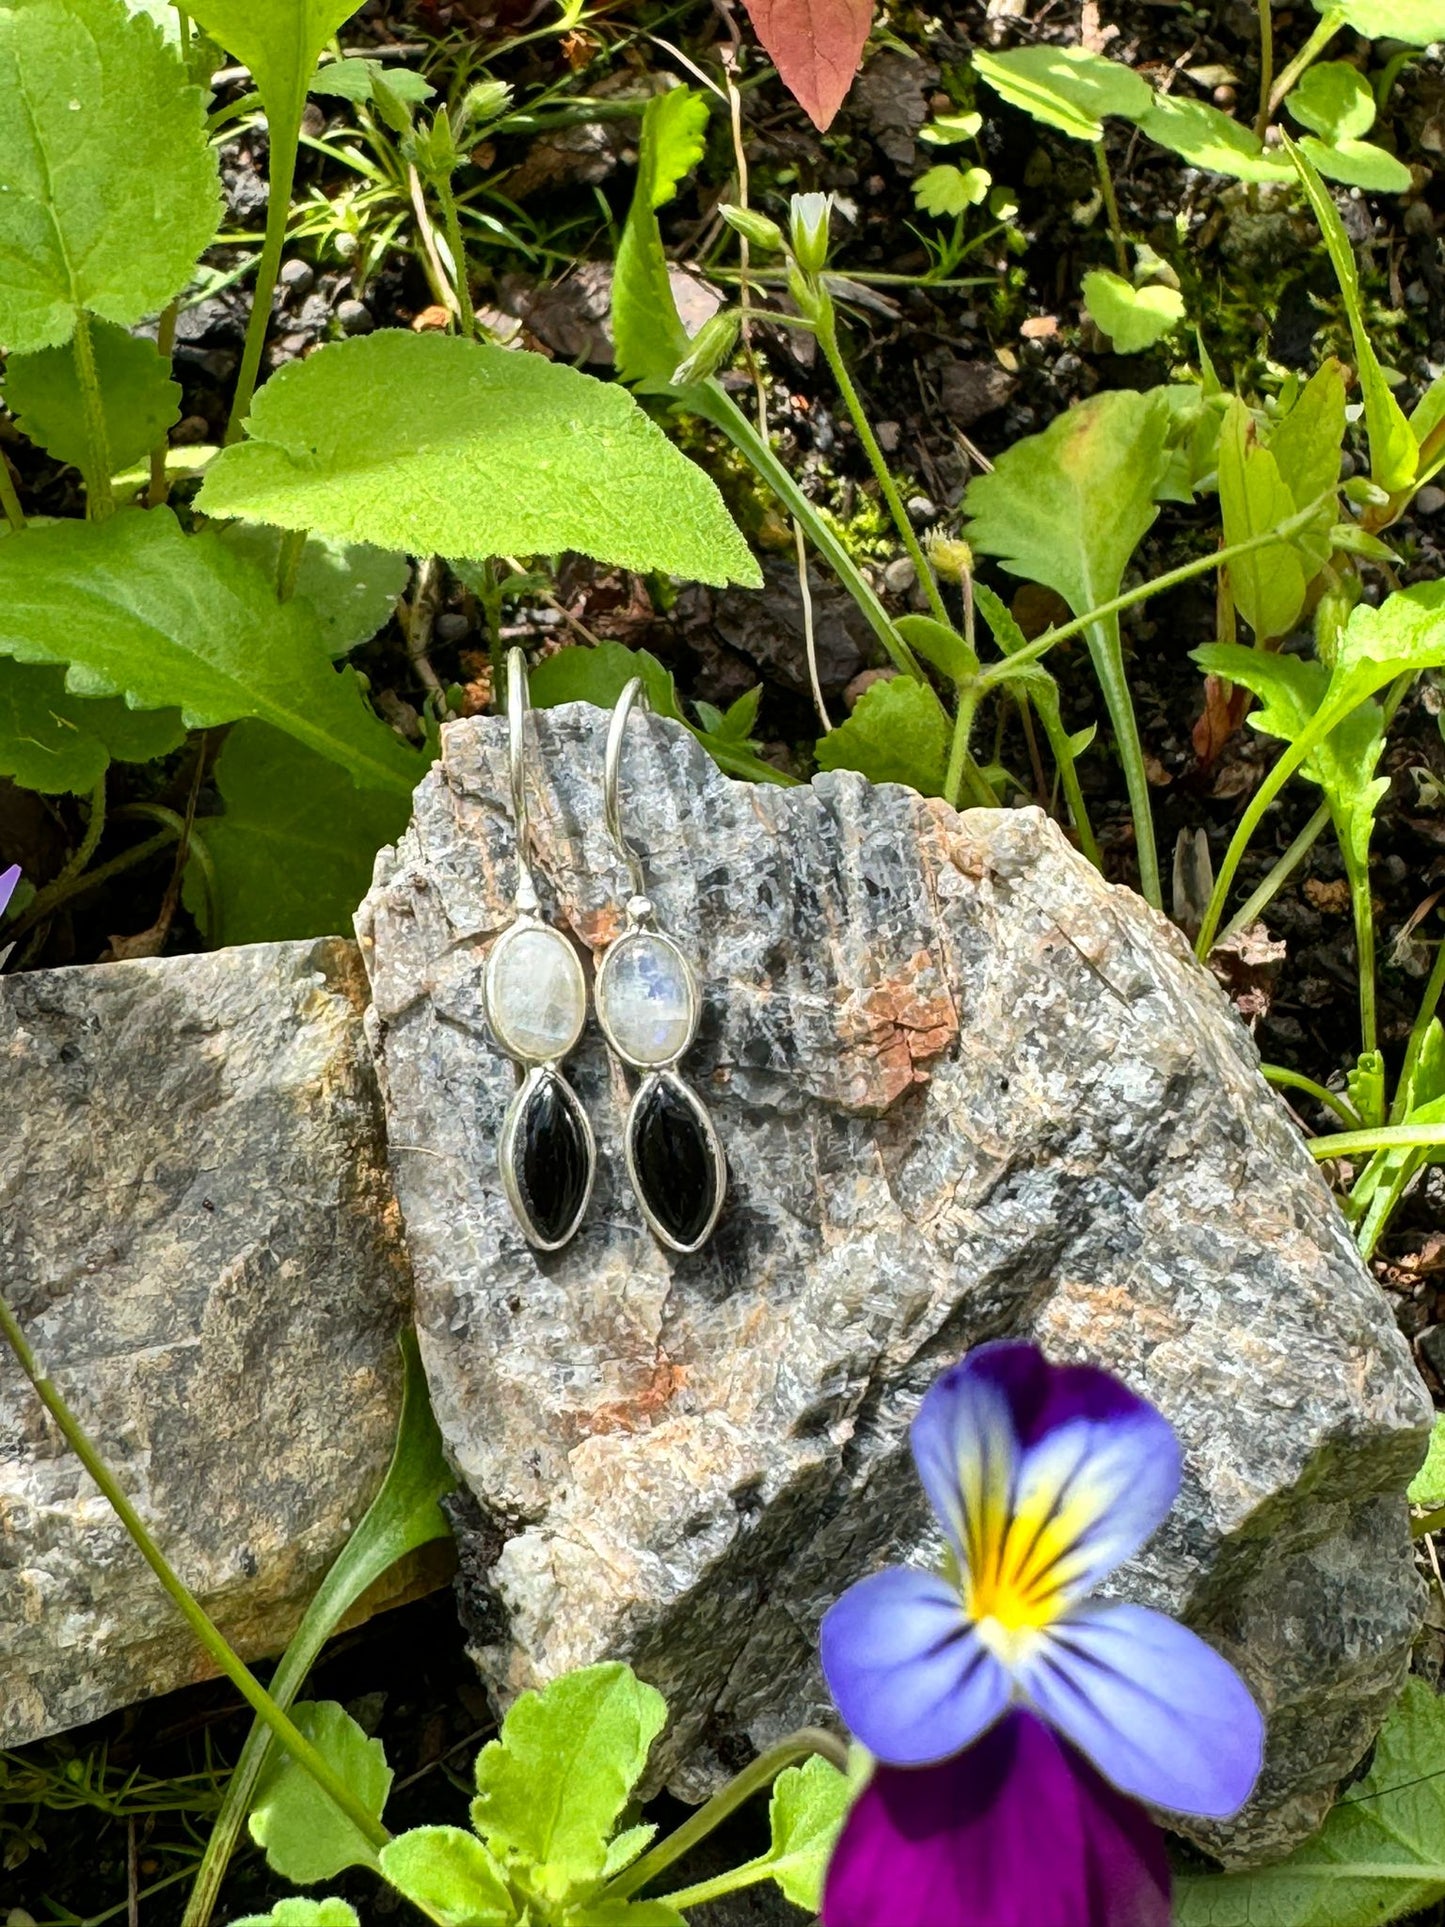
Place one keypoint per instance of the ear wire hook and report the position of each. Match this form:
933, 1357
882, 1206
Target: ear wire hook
518, 705
635, 692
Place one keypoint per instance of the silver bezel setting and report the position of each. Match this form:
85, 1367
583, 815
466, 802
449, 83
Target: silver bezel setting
638, 932
507, 1163
666, 1075
498, 949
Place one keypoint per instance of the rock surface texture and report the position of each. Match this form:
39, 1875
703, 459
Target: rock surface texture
198, 1235
966, 1089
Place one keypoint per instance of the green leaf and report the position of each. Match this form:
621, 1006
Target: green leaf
442, 446
551, 1788
1132, 318
1394, 452
96, 119
647, 331
625, 1913
305, 1836
1358, 164
946, 189
281, 42
1417, 22
946, 129
170, 621
625, 1847
599, 675
1306, 442
1334, 100
450, 1875
55, 742
1379, 1854
355, 79
1065, 87
294, 851
141, 402
296, 1912
898, 733
1428, 1485
351, 587
1208, 139
1365, 1086
940, 645
809, 1805
1269, 583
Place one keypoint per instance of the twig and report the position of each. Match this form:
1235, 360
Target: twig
809, 640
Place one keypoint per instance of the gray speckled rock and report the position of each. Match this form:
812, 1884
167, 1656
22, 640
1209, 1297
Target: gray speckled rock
197, 1232
966, 1089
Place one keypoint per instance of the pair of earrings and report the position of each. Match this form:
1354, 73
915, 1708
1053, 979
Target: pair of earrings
648, 1007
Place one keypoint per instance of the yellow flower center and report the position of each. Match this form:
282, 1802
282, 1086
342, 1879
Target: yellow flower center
1020, 1564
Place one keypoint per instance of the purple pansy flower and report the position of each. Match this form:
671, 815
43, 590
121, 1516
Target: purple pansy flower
1016, 1721
8, 880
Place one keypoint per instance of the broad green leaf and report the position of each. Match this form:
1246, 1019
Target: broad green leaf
1306, 442
351, 586
1358, 164
1380, 1854
648, 335
940, 645
1428, 1485
1065, 87
171, 621
946, 189
442, 446
56, 742
944, 130
898, 733
1132, 318
281, 42
355, 79
1269, 583
305, 1836
1417, 22
809, 1805
551, 1788
1208, 139
297, 1912
1394, 453
450, 1875
294, 850
108, 185
1429, 411
625, 1913
141, 402
1334, 100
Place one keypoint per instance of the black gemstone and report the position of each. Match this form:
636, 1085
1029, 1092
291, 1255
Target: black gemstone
552, 1158
673, 1161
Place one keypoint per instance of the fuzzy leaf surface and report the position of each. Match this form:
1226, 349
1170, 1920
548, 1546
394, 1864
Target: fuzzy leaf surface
351, 586
305, 1836
898, 733
649, 339
550, 1790
450, 1874
440, 446
296, 1911
108, 185
55, 742
140, 401
1065, 87
809, 1805
1132, 318
816, 46
137, 609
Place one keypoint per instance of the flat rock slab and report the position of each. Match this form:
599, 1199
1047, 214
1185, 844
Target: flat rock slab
966, 1089
198, 1235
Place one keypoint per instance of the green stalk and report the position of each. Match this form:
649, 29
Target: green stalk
1266, 66
165, 347
1428, 1004
958, 756
1111, 208
753, 1779
99, 497
281, 178
723, 1883
288, 562
1363, 909
1297, 1081
1107, 651
1432, 1522
1383, 1137
206, 1631
1323, 34
1279, 874
9, 500
456, 247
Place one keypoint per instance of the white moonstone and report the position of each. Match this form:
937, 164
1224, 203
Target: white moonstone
536, 993
645, 999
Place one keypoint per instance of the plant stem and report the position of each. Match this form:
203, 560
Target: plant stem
1294, 755
1111, 208
828, 341
1266, 66
160, 484
753, 1779
207, 1633
9, 500
456, 247
1323, 34
288, 562
1432, 1522
61, 890
1428, 1004
1297, 1081
968, 695
99, 498
281, 178
1363, 909
1279, 874
1383, 1137
719, 1885
1107, 651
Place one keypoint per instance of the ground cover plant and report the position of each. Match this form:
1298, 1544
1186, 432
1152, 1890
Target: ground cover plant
1147, 536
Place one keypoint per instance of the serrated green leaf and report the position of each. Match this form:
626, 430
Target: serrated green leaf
281, 42
170, 621
649, 340
55, 742
1417, 22
1428, 1485
1365, 1086
551, 1788
141, 402
95, 113
305, 1836
946, 189
450, 1875
1065, 87
298, 1912
809, 1805
354, 78
1334, 100
1132, 318
351, 586
293, 852
1379, 1854
1268, 583
442, 446
1208, 139
1358, 164
898, 733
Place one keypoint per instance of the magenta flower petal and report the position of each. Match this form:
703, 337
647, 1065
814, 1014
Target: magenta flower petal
8, 880
1017, 1832
1157, 1711
907, 1671
1063, 1457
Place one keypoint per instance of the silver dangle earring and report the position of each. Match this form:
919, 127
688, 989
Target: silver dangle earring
648, 1006
536, 1003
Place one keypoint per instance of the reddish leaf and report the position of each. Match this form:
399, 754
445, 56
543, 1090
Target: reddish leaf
816, 46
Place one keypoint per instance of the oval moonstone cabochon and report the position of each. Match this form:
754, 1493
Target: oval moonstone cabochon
536, 995
676, 1168
646, 999
549, 1150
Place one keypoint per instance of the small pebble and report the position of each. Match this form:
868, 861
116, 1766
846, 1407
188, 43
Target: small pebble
297, 277
889, 435
452, 627
355, 317
921, 509
900, 575
1430, 500
1347, 465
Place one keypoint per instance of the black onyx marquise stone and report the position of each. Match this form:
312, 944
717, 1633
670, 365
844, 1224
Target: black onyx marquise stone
551, 1157
673, 1160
